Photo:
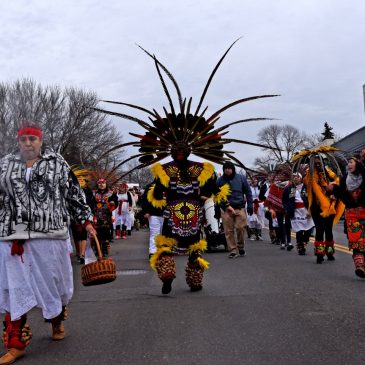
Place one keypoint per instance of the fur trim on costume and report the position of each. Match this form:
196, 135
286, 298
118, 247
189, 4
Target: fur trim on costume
155, 257
319, 248
197, 249
316, 187
164, 245
222, 195
201, 245
162, 240
327, 207
307, 152
158, 172
204, 264
340, 208
206, 174
155, 202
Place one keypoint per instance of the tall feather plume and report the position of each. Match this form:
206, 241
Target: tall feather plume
165, 87
212, 75
197, 132
169, 75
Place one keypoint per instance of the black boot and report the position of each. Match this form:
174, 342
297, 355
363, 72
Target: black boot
301, 248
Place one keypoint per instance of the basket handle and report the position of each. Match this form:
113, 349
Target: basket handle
97, 246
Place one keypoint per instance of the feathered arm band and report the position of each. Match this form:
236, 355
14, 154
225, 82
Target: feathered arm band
164, 245
159, 173
157, 203
206, 174
222, 195
199, 247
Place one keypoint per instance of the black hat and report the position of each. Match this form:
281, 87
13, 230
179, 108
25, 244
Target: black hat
228, 164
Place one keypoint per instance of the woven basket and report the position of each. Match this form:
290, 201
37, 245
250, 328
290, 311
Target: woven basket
101, 271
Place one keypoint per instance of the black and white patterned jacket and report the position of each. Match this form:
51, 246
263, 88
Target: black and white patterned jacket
41, 207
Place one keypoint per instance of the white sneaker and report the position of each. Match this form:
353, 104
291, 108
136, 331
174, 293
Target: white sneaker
282, 246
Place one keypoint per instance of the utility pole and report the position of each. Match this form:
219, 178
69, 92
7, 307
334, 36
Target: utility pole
363, 93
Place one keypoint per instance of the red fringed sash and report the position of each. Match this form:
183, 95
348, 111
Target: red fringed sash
17, 248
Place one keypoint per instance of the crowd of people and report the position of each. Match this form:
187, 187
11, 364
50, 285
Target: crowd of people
42, 201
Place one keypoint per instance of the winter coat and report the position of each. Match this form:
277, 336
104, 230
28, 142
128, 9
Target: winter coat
240, 191
41, 207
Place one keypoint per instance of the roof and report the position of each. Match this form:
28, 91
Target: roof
353, 142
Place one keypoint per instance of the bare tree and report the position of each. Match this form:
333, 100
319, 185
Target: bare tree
141, 176
286, 141
316, 139
71, 126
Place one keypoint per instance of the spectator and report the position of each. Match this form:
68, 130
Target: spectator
233, 215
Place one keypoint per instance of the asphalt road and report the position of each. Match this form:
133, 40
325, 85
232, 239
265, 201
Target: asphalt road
269, 307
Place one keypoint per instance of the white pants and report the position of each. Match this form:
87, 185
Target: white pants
155, 223
131, 220
123, 219
42, 278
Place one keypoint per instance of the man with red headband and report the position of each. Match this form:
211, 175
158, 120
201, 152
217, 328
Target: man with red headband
39, 195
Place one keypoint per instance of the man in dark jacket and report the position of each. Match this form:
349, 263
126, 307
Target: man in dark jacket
234, 215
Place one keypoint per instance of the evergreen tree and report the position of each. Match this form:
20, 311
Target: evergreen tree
327, 133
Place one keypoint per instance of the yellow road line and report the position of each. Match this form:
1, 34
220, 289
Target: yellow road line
338, 247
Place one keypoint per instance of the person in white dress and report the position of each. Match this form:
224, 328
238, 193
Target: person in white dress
38, 195
295, 202
122, 218
256, 220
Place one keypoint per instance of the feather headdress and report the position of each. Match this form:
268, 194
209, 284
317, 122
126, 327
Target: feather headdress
182, 125
82, 175
87, 175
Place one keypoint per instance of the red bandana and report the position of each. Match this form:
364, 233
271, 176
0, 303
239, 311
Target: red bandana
30, 131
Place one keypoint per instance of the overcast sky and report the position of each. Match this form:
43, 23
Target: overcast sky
310, 52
